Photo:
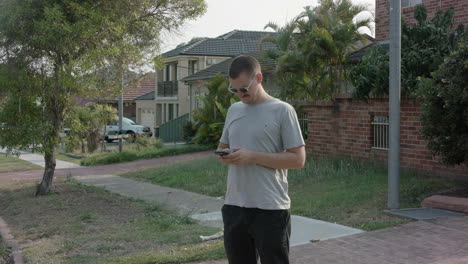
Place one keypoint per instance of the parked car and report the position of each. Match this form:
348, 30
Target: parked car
129, 128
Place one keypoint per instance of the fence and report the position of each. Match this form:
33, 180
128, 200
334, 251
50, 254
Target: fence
173, 131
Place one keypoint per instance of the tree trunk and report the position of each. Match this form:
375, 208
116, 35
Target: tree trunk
103, 145
93, 141
46, 183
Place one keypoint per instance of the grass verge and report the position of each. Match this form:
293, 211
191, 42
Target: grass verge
139, 154
4, 252
11, 164
348, 192
82, 224
67, 158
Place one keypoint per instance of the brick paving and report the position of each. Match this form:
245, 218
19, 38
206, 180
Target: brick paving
107, 169
440, 241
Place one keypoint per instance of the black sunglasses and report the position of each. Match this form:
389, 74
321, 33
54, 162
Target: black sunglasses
244, 89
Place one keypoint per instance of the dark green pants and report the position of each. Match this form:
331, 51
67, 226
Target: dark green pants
252, 233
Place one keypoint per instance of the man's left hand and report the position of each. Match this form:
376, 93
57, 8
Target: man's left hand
240, 157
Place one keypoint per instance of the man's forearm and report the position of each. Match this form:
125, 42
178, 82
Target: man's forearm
282, 160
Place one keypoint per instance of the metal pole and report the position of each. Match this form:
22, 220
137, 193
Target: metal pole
394, 105
120, 111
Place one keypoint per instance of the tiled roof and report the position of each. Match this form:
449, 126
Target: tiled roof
243, 34
357, 55
222, 68
182, 49
143, 85
230, 44
147, 96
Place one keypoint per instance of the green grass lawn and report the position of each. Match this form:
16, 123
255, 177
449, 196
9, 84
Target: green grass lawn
11, 164
347, 192
81, 224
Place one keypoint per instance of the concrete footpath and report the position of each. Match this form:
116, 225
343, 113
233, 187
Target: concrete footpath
38, 159
207, 209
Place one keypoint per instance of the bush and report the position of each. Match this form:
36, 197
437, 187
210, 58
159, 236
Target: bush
147, 142
209, 119
423, 48
445, 108
134, 154
189, 131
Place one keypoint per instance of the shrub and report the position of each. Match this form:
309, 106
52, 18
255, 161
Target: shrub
445, 108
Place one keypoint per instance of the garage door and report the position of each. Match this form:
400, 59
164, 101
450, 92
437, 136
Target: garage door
147, 117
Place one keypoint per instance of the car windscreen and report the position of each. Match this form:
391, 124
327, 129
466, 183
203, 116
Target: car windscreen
129, 121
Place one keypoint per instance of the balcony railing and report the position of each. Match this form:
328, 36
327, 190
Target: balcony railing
168, 89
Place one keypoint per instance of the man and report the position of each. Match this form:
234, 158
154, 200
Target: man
263, 138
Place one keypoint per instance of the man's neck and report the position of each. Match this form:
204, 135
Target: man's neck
263, 96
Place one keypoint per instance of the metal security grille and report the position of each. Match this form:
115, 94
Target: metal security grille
408, 3
303, 123
380, 132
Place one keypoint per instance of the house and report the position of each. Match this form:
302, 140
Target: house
146, 110
172, 96
133, 88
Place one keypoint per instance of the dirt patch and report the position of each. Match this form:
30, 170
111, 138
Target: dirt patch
5, 254
81, 224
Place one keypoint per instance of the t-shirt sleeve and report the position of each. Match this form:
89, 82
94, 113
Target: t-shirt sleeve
225, 136
290, 129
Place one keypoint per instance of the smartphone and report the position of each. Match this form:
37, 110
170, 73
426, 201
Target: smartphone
222, 152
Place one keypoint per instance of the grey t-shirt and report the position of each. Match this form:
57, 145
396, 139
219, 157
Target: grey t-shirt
271, 126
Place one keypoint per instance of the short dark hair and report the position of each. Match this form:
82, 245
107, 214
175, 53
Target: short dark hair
244, 63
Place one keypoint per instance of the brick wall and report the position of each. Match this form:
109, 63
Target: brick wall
382, 14
344, 128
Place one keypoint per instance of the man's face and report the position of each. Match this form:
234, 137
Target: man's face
245, 87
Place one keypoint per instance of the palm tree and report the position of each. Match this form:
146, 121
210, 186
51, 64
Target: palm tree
210, 116
313, 47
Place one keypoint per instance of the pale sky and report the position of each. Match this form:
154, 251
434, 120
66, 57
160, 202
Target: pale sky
223, 16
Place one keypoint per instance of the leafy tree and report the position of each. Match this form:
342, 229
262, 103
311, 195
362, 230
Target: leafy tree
313, 47
370, 76
445, 108
209, 119
86, 124
424, 46
50, 47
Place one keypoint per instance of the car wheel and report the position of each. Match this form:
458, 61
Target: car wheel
109, 140
131, 136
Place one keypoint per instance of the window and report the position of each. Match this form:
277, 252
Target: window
210, 61
380, 132
192, 67
408, 3
171, 112
167, 73
176, 72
